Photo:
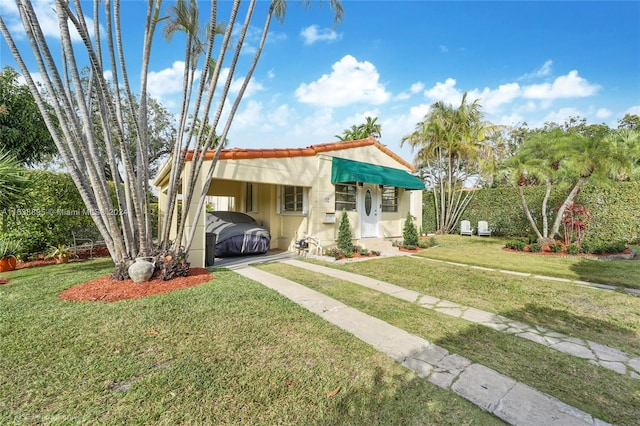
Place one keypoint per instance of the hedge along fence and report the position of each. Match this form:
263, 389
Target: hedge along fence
56, 208
614, 208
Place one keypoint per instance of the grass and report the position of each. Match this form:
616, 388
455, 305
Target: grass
229, 351
606, 317
601, 392
487, 252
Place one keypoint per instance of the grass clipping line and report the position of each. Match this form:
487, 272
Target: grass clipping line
105, 289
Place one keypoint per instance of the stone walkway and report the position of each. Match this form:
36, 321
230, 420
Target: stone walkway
507, 399
604, 356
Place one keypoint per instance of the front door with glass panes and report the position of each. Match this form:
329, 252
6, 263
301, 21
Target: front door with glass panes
369, 210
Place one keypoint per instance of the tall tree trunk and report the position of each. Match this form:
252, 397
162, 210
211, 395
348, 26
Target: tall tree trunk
545, 218
527, 213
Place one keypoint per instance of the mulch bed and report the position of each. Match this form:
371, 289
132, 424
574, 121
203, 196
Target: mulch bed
83, 254
547, 252
105, 289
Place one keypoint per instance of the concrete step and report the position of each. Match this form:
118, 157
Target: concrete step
384, 246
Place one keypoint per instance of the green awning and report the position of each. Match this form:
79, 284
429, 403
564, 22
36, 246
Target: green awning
349, 171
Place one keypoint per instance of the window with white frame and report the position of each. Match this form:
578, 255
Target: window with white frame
389, 198
345, 197
293, 200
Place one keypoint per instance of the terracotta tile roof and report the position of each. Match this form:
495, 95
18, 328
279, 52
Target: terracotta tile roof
245, 154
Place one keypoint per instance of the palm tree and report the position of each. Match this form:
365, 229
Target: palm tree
368, 129
15, 186
451, 143
556, 154
84, 143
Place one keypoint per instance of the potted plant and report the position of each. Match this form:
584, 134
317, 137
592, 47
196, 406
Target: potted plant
8, 251
61, 253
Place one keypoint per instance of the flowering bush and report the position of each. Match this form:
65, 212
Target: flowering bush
334, 251
575, 221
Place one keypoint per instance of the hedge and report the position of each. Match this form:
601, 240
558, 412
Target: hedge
55, 209
614, 208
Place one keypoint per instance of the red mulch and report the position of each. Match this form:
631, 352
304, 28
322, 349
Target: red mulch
82, 255
547, 252
104, 289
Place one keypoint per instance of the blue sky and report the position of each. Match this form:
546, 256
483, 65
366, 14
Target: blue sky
526, 62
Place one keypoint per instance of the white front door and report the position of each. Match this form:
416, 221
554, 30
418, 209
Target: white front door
369, 210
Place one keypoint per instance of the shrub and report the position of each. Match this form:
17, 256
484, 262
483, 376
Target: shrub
335, 252
556, 247
375, 252
427, 242
345, 236
535, 247
615, 247
601, 247
10, 247
363, 252
410, 233
573, 249
515, 245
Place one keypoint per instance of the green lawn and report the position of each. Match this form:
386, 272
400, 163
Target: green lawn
604, 316
487, 252
229, 351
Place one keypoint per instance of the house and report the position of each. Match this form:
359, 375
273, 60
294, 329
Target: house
303, 191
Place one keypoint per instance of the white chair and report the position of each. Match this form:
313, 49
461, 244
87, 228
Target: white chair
483, 229
465, 228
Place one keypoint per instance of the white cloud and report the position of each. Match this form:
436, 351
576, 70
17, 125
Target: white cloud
603, 113
167, 81
253, 86
316, 126
46, 13
252, 38
566, 86
350, 82
634, 110
562, 115
543, 71
445, 92
281, 116
313, 34
250, 116
510, 120
415, 88
491, 100
443, 48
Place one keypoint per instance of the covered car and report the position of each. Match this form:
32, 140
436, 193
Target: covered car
237, 234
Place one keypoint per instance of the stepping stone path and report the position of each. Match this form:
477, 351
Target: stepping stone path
510, 400
602, 355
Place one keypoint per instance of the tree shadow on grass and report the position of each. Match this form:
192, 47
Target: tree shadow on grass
569, 323
404, 399
619, 273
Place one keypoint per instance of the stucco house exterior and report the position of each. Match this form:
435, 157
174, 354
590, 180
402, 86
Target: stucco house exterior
303, 191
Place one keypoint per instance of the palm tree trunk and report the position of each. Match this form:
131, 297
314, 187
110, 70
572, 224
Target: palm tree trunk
545, 219
527, 213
